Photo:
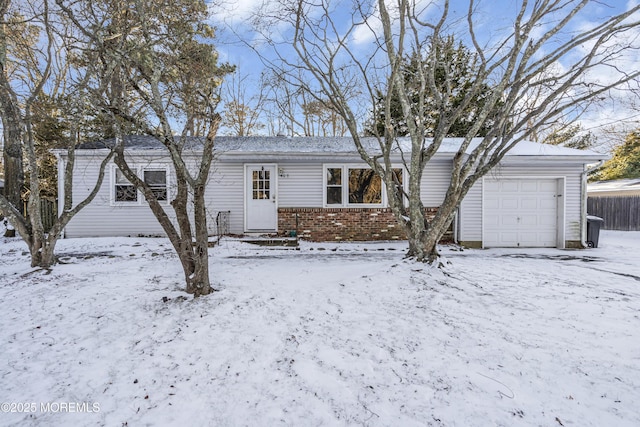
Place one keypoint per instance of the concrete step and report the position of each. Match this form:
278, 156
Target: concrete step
271, 241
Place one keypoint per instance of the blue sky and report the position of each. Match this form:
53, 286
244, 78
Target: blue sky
492, 20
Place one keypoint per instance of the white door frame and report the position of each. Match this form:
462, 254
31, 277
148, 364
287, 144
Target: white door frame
273, 195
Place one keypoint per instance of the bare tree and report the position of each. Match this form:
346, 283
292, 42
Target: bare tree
320, 119
514, 62
291, 110
283, 106
156, 70
34, 67
242, 116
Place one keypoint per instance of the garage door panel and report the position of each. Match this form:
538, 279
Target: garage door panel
493, 223
528, 187
507, 186
520, 213
548, 186
492, 185
508, 239
509, 203
528, 238
492, 203
507, 220
548, 204
528, 220
529, 203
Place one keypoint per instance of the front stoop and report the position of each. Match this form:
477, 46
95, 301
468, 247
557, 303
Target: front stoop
288, 242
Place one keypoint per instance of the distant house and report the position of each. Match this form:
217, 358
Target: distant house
320, 189
616, 187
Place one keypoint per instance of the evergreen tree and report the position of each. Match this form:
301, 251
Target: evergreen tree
571, 136
454, 73
625, 162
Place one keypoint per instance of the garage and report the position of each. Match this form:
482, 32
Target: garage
520, 212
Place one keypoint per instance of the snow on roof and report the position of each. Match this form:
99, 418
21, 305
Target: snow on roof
632, 184
300, 145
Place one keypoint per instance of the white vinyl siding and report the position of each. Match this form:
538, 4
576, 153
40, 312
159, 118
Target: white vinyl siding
434, 183
225, 192
470, 214
100, 218
300, 185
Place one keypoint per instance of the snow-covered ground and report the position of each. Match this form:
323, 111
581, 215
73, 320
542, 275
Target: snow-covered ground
331, 334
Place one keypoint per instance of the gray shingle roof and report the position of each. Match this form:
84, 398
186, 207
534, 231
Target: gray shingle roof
302, 145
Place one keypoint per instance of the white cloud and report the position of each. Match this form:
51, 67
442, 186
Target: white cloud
235, 12
372, 29
368, 32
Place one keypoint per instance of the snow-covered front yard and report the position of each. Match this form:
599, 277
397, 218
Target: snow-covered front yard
331, 334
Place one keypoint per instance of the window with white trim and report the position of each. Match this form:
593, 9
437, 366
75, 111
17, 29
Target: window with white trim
346, 185
333, 186
156, 179
125, 193
124, 190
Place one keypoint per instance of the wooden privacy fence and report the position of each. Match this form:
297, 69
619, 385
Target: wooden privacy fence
618, 212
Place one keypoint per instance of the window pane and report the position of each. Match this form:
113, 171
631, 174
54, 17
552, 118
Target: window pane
398, 175
334, 176
334, 195
160, 193
124, 190
120, 178
126, 193
155, 177
157, 180
365, 186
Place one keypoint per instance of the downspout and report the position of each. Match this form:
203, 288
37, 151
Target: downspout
583, 202
455, 227
61, 194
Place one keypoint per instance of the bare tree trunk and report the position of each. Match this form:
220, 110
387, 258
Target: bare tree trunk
13, 171
12, 128
199, 283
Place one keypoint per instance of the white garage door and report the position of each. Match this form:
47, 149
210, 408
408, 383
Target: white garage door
520, 213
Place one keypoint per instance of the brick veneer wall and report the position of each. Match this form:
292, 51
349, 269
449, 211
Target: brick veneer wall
336, 224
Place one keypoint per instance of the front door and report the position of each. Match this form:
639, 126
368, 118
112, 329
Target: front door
261, 212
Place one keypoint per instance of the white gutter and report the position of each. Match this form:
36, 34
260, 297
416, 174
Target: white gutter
583, 203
